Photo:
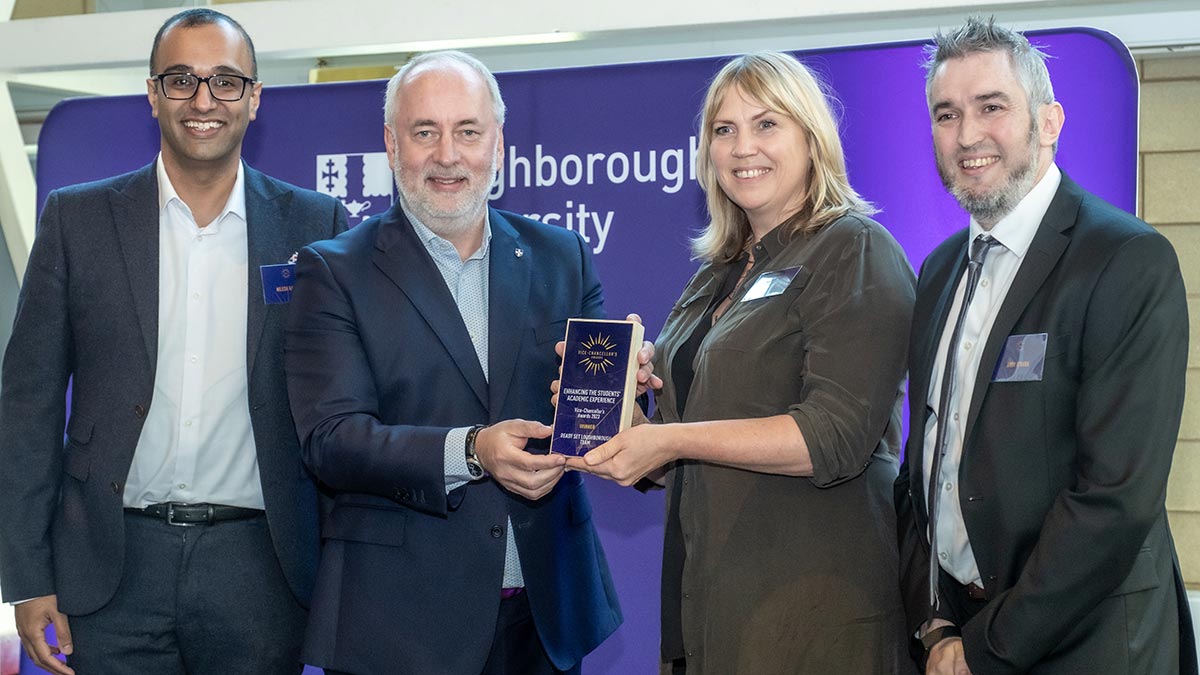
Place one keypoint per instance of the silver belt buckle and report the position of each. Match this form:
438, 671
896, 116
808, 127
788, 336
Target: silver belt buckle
171, 516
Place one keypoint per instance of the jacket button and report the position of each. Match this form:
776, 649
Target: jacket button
115, 487
139, 410
497, 531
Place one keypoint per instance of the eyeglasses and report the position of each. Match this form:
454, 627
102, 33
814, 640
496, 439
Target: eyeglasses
222, 87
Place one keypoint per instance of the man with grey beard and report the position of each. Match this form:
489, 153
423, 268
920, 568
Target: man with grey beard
419, 354
1047, 363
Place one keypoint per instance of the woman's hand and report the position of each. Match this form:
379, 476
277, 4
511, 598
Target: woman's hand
630, 455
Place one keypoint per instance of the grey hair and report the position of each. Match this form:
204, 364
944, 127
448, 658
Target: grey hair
983, 35
448, 56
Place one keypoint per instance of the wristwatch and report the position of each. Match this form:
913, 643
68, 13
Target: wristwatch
938, 634
473, 466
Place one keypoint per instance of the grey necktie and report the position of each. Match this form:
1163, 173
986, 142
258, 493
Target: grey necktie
979, 250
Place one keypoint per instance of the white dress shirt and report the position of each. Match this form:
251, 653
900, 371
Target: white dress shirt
197, 444
1014, 232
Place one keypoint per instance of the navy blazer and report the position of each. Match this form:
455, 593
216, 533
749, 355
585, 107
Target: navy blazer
88, 314
380, 368
1063, 481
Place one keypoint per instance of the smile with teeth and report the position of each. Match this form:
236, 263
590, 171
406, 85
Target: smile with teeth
979, 162
750, 173
203, 126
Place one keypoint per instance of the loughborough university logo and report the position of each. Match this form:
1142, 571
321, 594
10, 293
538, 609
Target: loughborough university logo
362, 181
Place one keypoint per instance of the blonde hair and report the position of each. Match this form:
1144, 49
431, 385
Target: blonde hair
780, 83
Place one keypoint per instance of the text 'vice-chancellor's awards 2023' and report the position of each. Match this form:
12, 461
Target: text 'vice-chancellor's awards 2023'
598, 384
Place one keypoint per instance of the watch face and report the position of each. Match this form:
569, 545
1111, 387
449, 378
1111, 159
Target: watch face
474, 468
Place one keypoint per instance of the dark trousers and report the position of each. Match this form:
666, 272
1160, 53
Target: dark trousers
202, 600
957, 601
516, 650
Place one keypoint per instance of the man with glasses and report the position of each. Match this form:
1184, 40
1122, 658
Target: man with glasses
176, 531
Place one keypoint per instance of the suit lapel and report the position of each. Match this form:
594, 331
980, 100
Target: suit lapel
946, 280
135, 216
945, 275
266, 244
508, 293
402, 258
1044, 252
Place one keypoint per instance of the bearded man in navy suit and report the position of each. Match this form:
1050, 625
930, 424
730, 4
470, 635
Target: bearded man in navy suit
176, 531
419, 366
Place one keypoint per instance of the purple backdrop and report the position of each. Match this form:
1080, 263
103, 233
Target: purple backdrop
611, 147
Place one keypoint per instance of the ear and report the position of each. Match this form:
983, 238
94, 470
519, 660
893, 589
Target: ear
1050, 123
255, 99
389, 142
152, 96
500, 147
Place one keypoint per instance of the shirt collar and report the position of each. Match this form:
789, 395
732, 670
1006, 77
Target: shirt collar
773, 242
1015, 231
235, 204
432, 241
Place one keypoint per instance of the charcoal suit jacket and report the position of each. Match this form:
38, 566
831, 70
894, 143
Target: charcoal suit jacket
1063, 479
88, 315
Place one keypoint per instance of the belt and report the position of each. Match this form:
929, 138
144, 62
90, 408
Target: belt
176, 513
975, 591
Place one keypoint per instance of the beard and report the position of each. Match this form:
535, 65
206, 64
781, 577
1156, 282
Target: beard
989, 207
455, 219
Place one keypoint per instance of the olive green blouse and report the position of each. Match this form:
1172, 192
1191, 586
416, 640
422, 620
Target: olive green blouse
776, 574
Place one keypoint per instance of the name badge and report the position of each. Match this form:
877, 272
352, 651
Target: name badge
771, 283
1023, 359
277, 281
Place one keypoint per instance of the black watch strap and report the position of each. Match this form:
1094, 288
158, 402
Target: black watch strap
930, 639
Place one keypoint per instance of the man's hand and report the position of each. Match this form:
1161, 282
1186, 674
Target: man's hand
501, 451
947, 658
32, 618
629, 455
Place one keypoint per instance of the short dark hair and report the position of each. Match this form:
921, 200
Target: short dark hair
202, 16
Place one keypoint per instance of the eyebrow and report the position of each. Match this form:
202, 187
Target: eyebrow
979, 98
462, 123
993, 96
766, 111
185, 68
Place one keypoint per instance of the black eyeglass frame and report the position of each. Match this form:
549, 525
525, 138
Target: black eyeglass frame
162, 85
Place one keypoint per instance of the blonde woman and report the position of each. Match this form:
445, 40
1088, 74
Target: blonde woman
778, 424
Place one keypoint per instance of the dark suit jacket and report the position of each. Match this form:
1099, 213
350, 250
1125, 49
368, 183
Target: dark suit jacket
1063, 481
380, 368
88, 314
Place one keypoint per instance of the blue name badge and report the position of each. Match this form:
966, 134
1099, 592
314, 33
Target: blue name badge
277, 282
1023, 359
771, 283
